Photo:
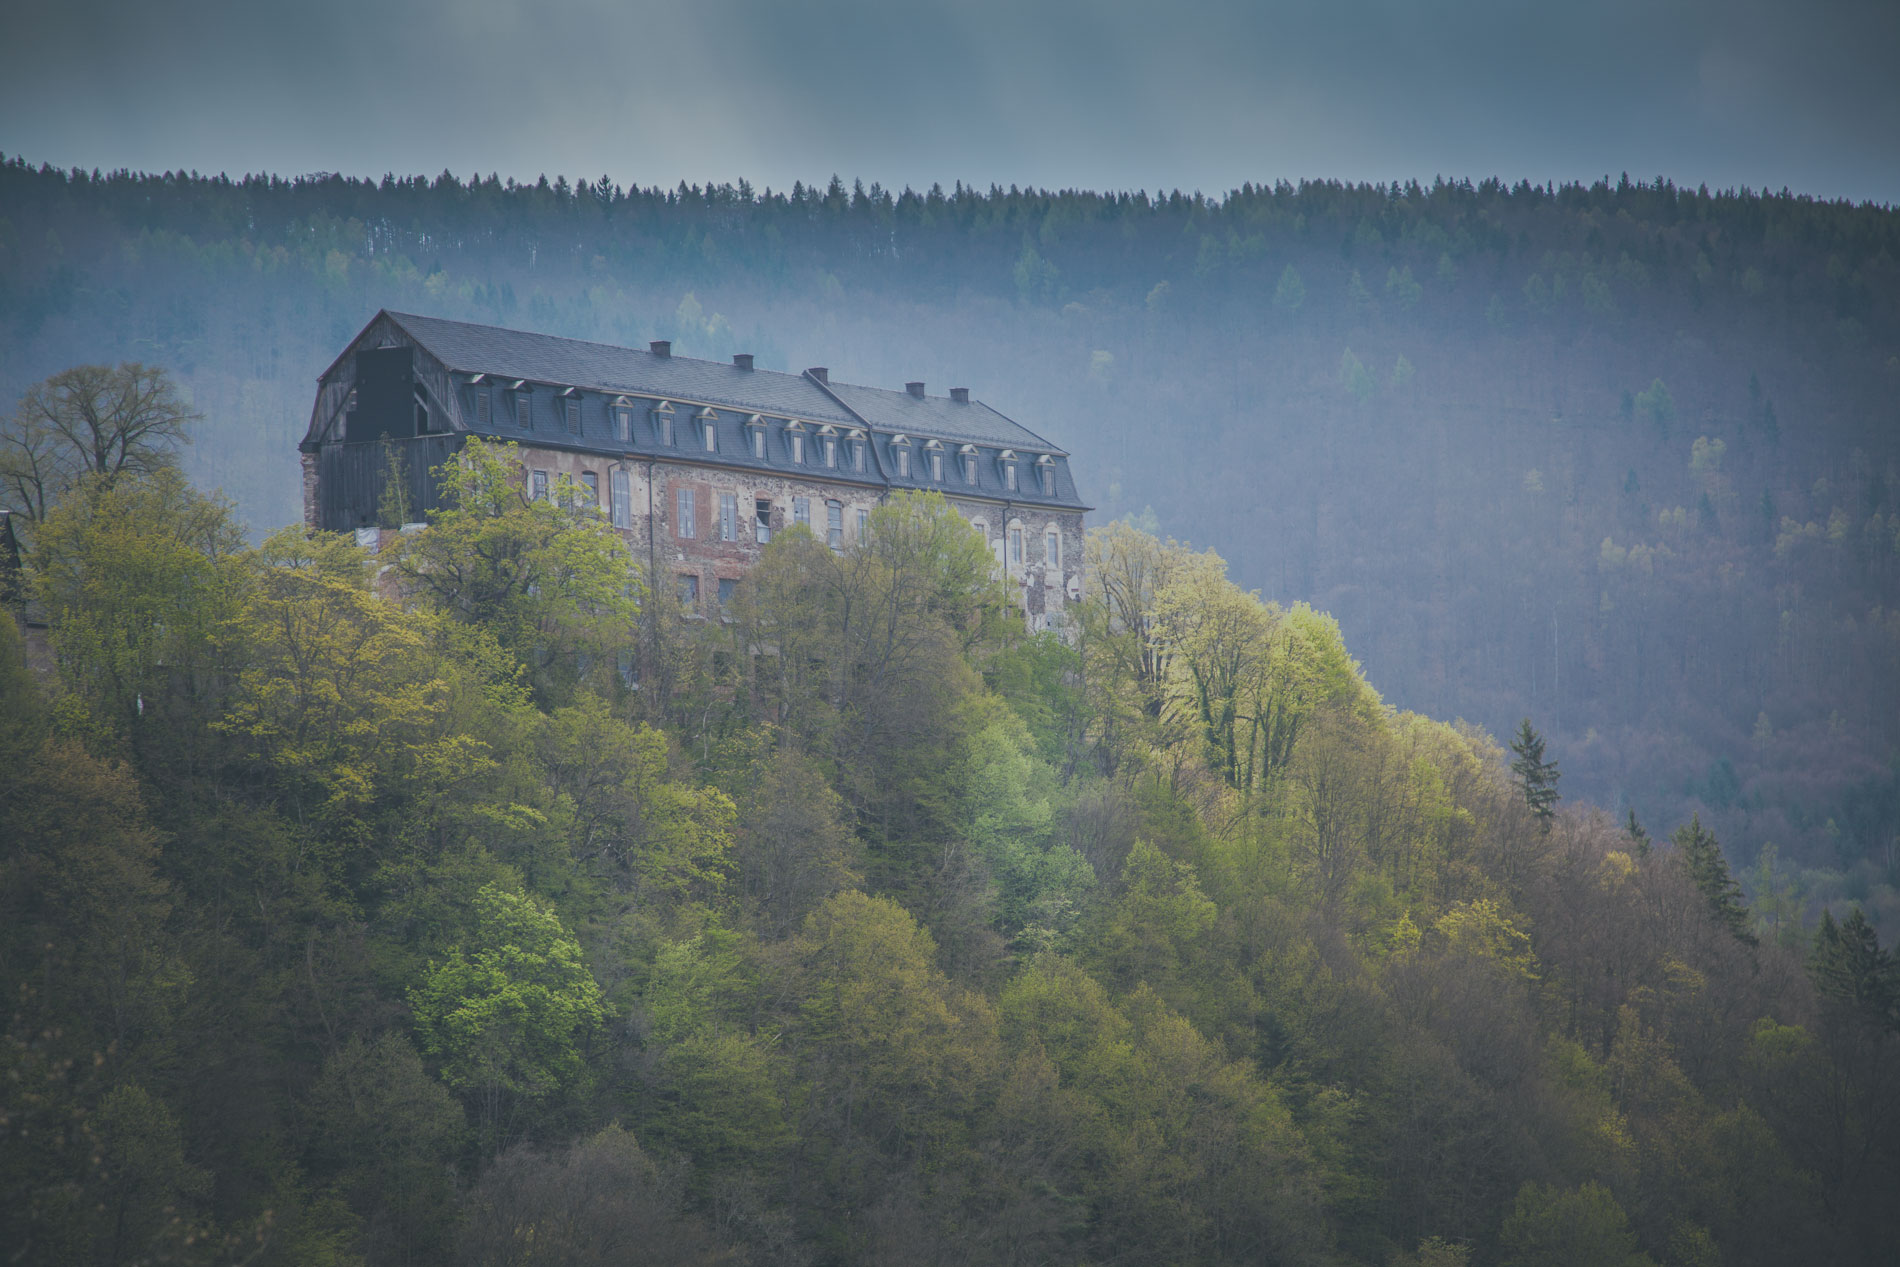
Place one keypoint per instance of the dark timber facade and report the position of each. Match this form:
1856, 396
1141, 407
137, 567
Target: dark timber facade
697, 463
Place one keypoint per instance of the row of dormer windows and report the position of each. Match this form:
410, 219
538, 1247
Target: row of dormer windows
799, 444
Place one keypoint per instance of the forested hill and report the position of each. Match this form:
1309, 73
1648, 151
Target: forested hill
1621, 457
367, 910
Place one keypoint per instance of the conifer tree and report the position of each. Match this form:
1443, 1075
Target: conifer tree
1701, 855
1639, 839
1536, 777
1849, 967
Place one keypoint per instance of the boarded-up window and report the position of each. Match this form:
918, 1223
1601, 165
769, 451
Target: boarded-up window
484, 405
623, 424
572, 408
524, 411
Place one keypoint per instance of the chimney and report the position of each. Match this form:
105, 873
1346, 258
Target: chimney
742, 359
661, 347
820, 373
915, 389
961, 395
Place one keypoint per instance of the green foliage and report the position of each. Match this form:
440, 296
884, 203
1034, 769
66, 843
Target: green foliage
1580, 1227
509, 1013
1700, 854
1536, 777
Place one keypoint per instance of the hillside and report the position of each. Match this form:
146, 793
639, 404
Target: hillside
1619, 457
355, 921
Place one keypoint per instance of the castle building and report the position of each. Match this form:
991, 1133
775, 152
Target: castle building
697, 463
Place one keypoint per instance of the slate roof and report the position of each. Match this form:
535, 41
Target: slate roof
937, 416
601, 372
545, 358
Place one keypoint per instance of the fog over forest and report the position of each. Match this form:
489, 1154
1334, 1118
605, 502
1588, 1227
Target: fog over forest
1620, 458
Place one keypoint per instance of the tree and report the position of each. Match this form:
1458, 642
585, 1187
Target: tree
91, 420
1578, 1227
1291, 291
1700, 854
1536, 777
549, 579
508, 1013
1850, 968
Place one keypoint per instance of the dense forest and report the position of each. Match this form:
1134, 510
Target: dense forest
1620, 456
462, 904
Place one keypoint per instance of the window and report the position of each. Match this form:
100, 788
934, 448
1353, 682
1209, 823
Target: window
1052, 547
1048, 472
801, 511
621, 489
590, 489
798, 448
623, 423
685, 528
663, 423
758, 443
524, 411
728, 517
711, 423
834, 525
538, 486
982, 530
728, 586
1015, 547
969, 468
1009, 476
689, 589
484, 407
857, 455
936, 467
903, 462
864, 526
762, 520
572, 408
831, 452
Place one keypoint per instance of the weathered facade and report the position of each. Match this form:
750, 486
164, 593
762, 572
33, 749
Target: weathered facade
698, 463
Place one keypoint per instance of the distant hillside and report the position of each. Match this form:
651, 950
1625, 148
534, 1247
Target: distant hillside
1622, 457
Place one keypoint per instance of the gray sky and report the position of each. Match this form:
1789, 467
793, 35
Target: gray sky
1198, 94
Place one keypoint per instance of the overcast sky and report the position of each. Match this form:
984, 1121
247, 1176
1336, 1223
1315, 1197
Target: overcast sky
1193, 94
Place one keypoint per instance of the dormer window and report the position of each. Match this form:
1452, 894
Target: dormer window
1009, 470
709, 429
795, 441
755, 428
935, 452
1046, 470
968, 455
857, 451
524, 407
571, 410
830, 444
623, 420
663, 422
484, 407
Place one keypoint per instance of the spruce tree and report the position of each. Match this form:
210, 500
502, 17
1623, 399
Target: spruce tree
1536, 777
1849, 967
1701, 856
1639, 839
